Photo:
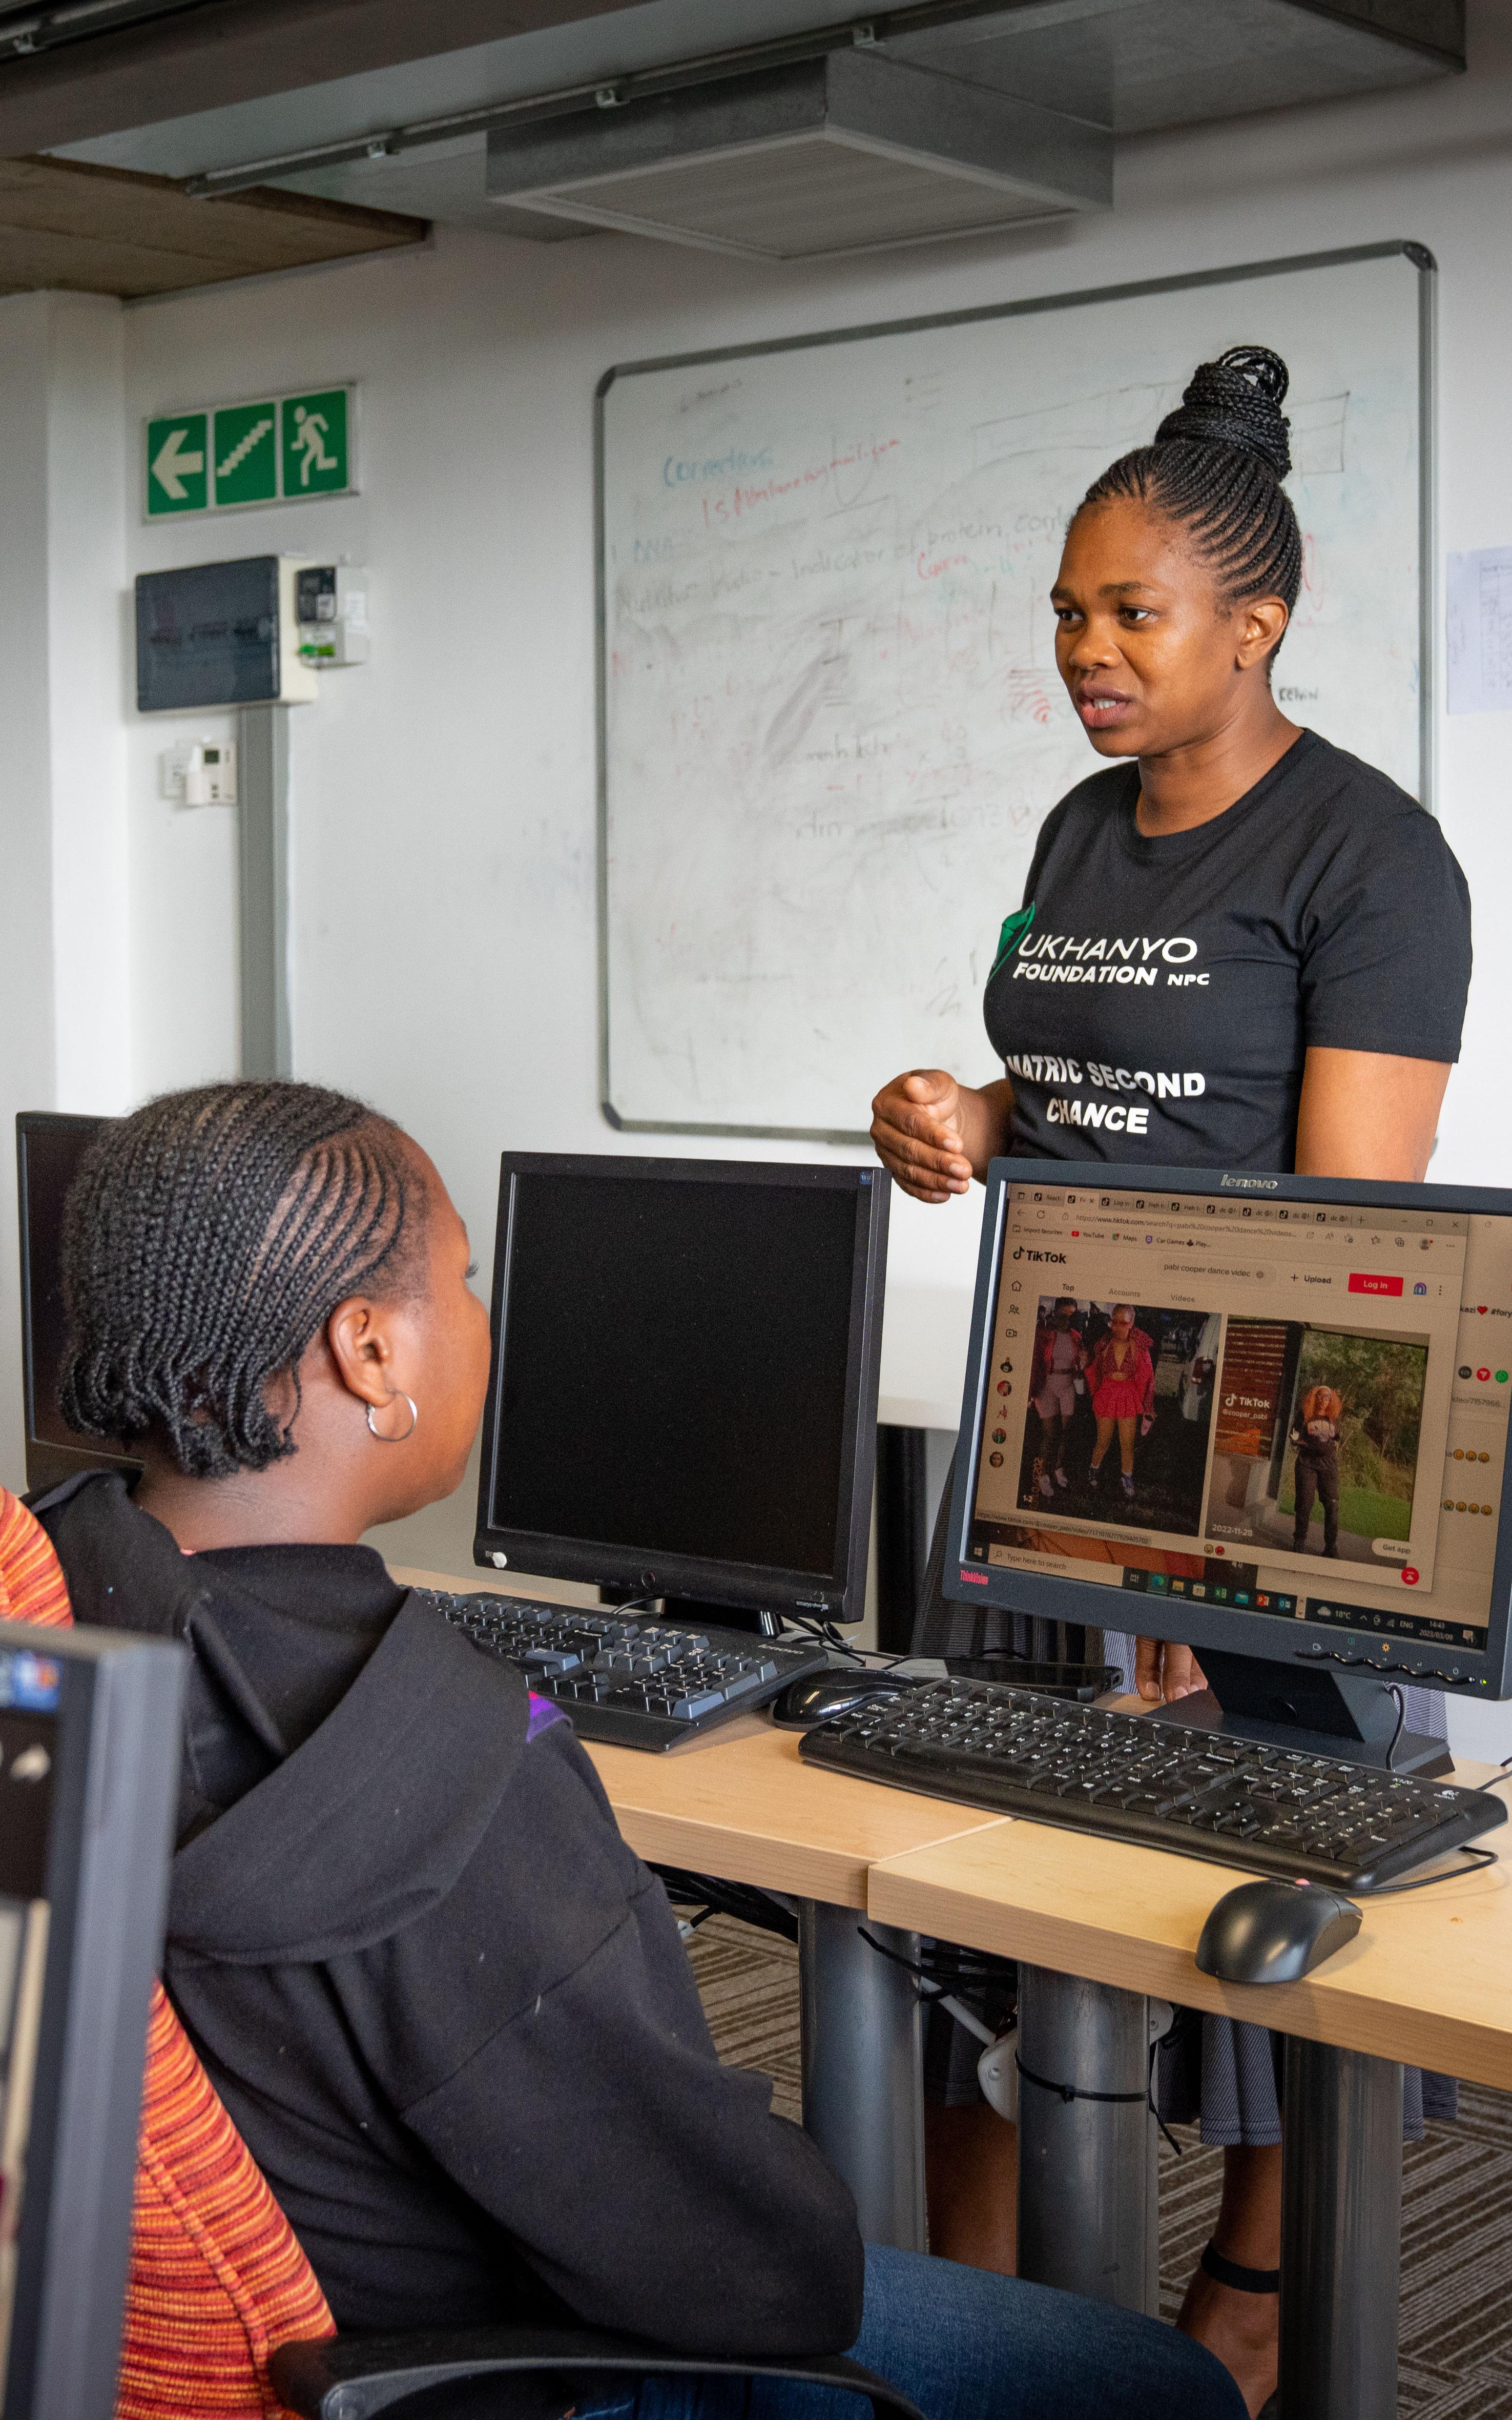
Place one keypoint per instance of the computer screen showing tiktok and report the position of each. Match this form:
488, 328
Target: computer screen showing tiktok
1287, 1410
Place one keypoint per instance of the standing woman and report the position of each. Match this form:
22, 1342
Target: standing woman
1238, 948
1053, 1379
1316, 1438
1123, 1392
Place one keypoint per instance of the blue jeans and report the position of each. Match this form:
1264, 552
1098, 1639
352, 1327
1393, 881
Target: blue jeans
966, 2345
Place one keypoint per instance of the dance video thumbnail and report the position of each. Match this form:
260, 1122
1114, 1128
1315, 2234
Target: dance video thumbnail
1316, 1442
1121, 1398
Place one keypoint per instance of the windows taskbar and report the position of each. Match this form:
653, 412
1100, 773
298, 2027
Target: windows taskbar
1235, 1587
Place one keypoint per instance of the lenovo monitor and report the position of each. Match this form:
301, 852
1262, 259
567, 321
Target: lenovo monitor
684, 1391
1263, 1416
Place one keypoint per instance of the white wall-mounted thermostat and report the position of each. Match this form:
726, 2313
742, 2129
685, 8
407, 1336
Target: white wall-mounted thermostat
331, 604
200, 773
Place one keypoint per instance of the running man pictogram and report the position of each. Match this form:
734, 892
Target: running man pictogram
310, 441
315, 443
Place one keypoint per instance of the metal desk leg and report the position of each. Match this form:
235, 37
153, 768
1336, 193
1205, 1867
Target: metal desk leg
1341, 2225
1087, 2182
862, 2068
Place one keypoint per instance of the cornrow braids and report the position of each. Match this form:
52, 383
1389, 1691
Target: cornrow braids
1216, 466
206, 1238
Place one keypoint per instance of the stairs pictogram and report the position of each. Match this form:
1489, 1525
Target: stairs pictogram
259, 429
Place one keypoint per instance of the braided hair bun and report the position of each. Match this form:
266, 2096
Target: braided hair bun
1216, 467
206, 1238
1236, 400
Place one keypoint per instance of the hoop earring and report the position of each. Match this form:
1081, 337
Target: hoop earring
414, 1419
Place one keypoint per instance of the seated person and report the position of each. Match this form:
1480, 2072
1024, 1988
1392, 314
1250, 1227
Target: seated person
447, 2007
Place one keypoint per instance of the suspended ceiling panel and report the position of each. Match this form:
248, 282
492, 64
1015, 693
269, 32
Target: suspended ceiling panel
201, 57
1122, 66
1160, 63
282, 72
846, 153
93, 230
795, 200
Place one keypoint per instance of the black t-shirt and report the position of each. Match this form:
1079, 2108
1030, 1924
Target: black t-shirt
1154, 1000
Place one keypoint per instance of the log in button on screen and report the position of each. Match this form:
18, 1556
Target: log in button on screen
1362, 1282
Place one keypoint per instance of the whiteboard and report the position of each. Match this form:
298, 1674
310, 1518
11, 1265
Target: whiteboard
829, 718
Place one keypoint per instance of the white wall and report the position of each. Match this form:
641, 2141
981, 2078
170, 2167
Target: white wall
27, 1076
64, 949
443, 940
86, 591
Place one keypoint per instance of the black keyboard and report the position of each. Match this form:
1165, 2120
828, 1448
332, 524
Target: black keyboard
639, 1683
1204, 1793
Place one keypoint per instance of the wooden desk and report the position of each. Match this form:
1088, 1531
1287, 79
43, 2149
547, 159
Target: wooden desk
737, 1803
740, 1804
1428, 1981
1102, 1926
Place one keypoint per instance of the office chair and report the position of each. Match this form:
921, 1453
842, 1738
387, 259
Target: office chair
224, 2317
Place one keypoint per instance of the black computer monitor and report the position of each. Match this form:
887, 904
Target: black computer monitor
1263, 1416
89, 1742
684, 1392
49, 1147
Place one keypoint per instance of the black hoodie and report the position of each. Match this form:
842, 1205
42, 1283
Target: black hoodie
446, 2006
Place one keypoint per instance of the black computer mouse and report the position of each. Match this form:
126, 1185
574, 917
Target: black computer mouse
1274, 1931
819, 1696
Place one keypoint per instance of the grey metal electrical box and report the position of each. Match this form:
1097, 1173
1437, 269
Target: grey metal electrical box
220, 634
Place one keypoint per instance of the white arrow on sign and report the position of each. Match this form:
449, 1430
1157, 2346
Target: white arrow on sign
170, 461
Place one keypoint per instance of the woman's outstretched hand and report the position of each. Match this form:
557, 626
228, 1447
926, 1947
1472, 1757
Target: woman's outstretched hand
916, 1128
1165, 1672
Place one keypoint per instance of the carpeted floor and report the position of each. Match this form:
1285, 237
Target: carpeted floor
1456, 2228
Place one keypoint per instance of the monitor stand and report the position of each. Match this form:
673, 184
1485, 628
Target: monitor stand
697, 1613
723, 1617
1296, 1705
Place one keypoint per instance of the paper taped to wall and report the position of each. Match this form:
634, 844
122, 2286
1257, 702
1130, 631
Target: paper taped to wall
1479, 634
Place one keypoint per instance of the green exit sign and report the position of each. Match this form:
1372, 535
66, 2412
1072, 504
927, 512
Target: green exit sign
278, 449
